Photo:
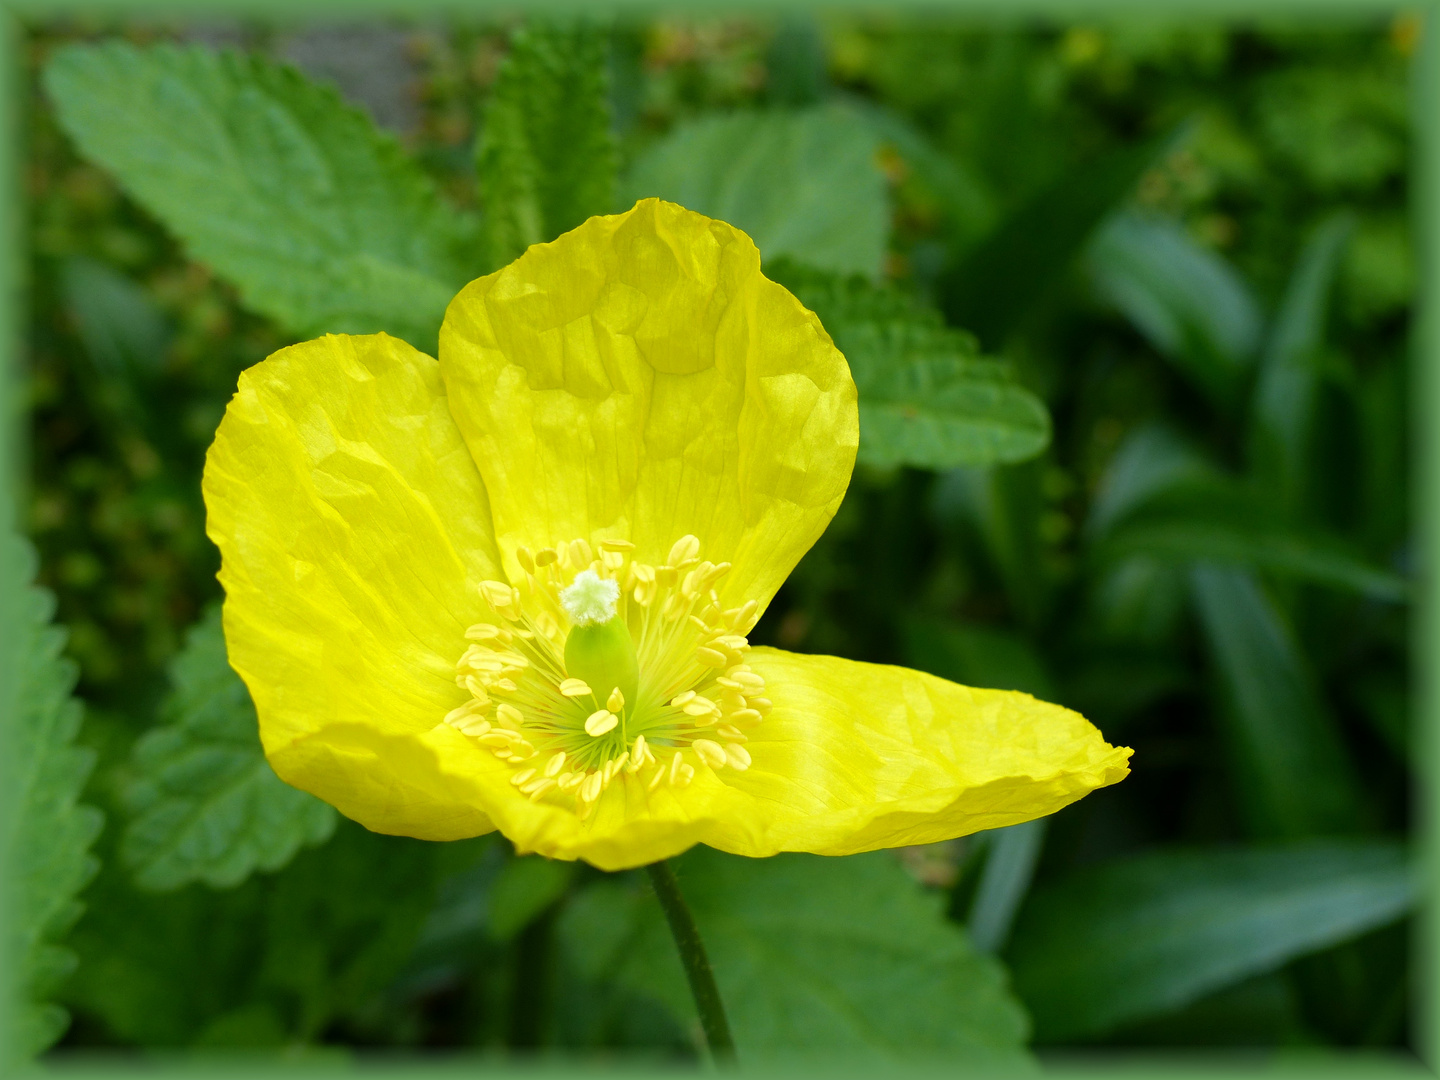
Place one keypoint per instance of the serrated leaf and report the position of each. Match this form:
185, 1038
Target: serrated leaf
1148, 935
546, 155
838, 956
800, 182
1294, 776
927, 398
47, 831
321, 220
1187, 300
998, 281
206, 805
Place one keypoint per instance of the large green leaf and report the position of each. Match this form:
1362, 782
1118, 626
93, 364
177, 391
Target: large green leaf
927, 398
1187, 300
272, 181
1150, 934
1293, 776
546, 155
997, 282
842, 957
47, 832
206, 804
800, 182
1290, 376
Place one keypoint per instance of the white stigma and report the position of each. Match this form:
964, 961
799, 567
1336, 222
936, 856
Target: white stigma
590, 599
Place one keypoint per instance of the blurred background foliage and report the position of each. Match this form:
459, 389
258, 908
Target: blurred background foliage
1128, 304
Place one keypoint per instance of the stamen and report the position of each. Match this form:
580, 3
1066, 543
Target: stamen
601, 722
616, 702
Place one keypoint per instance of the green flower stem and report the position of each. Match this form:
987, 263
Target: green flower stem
697, 964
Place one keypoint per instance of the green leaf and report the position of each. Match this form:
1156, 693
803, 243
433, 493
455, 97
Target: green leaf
546, 155
1187, 300
1290, 376
206, 804
1294, 777
977, 655
321, 220
997, 282
1148, 935
800, 182
1004, 881
522, 890
927, 399
47, 832
840, 956
124, 332
1195, 517
1152, 460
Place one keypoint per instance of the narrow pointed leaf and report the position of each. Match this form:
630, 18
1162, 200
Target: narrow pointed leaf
47, 831
1148, 935
206, 804
1293, 777
546, 156
321, 220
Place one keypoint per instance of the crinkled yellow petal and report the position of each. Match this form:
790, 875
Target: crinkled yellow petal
858, 756
353, 530
852, 757
639, 378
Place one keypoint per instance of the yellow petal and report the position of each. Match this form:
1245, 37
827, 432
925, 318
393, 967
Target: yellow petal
354, 531
857, 756
639, 378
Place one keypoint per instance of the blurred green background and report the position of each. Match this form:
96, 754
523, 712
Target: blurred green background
1191, 241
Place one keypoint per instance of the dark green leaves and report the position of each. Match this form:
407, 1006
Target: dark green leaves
995, 283
836, 956
1294, 778
207, 805
272, 181
927, 398
47, 833
1150, 934
546, 155
802, 182
1190, 304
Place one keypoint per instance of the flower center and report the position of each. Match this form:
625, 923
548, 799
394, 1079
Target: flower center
599, 669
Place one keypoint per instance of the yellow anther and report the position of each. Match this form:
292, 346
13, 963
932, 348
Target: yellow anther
741, 618
498, 594
569, 780
489, 632
612, 560
712, 753
701, 706
575, 688
555, 764
675, 764
684, 551
474, 727
545, 556
616, 544
509, 716
616, 701
666, 576
734, 641
680, 700
760, 705
686, 774
656, 780
499, 739
749, 681
737, 757
643, 572
506, 686
745, 717
710, 657
470, 708
701, 625
522, 776
522, 556
522, 751
590, 788
475, 686
580, 554
536, 788
730, 731
601, 721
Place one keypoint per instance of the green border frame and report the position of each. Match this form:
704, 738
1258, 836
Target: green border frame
1425, 374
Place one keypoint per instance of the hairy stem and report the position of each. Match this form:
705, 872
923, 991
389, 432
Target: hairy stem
697, 964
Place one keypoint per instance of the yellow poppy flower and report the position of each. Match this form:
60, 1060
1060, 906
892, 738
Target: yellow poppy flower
512, 589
